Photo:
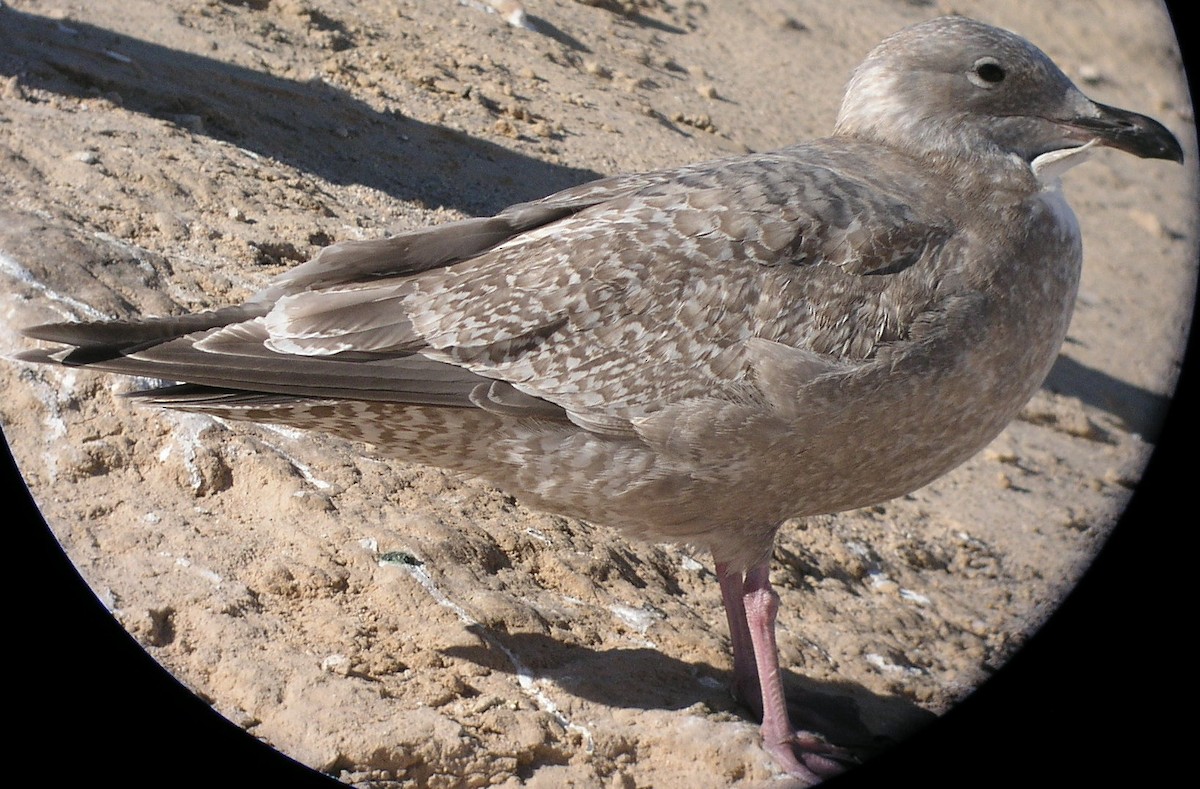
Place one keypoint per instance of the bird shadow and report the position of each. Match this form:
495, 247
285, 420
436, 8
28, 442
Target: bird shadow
1140, 410
311, 125
846, 714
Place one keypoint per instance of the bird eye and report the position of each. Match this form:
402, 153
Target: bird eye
987, 72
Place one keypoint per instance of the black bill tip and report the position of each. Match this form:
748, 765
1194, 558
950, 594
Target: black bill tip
1128, 131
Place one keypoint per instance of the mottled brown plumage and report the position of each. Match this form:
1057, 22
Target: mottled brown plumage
698, 354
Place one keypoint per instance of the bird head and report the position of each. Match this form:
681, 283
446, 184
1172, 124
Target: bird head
956, 87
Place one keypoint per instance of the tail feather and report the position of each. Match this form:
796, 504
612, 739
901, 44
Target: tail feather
120, 337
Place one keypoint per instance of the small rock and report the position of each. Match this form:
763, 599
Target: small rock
597, 69
1148, 222
505, 128
701, 122
336, 664
1091, 75
11, 89
1123, 478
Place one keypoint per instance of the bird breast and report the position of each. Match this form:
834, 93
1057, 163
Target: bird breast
849, 439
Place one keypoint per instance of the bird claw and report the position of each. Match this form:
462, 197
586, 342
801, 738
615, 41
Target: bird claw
810, 768
806, 755
810, 758
815, 744
823, 757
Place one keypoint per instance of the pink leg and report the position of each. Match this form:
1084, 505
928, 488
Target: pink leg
752, 618
745, 670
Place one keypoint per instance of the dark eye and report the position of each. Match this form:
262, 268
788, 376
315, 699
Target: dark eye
987, 71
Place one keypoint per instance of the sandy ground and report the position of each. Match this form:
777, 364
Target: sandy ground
390, 625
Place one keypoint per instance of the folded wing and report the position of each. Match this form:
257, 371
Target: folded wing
601, 304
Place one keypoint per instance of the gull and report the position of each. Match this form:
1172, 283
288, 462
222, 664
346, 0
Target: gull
702, 353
